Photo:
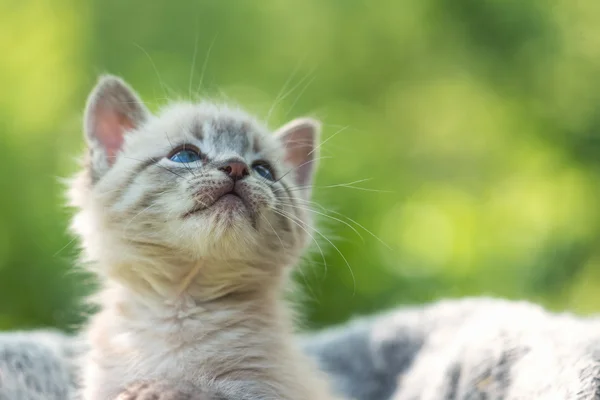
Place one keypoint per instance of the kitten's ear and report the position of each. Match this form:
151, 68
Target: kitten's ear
299, 138
113, 108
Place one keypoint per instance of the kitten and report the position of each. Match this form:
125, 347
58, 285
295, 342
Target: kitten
192, 220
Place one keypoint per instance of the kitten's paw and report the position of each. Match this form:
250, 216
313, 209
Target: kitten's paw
161, 391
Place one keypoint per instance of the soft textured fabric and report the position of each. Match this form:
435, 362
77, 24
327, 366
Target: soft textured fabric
457, 349
36, 366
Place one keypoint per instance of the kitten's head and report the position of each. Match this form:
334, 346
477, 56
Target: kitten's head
197, 194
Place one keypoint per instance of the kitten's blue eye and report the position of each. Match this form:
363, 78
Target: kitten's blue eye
264, 170
185, 156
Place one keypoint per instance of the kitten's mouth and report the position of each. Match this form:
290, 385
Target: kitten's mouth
229, 201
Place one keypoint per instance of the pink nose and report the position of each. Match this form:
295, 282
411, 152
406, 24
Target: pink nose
235, 169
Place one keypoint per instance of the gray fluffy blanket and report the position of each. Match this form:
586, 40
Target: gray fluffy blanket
455, 349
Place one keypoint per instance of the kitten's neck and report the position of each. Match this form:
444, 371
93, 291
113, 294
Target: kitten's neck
265, 305
183, 320
147, 302
158, 282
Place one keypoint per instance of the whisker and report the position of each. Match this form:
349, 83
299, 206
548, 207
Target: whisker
328, 139
363, 189
352, 183
328, 216
203, 204
323, 187
64, 247
348, 186
295, 87
171, 171
284, 249
299, 143
339, 252
341, 215
160, 81
296, 145
136, 215
274, 231
292, 219
154, 103
193, 64
299, 166
158, 165
311, 80
287, 82
185, 165
205, 63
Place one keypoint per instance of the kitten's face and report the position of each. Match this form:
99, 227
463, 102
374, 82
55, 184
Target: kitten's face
194, 182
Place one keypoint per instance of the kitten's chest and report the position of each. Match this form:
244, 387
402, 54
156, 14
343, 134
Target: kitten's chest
197, 351
237, 355
241, 363
164, 356
219, 367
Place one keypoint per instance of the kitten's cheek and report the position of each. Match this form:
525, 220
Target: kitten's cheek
257, 200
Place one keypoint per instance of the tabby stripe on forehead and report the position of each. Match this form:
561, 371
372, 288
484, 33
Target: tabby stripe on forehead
197, 130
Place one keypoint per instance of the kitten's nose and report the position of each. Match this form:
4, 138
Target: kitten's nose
235, 169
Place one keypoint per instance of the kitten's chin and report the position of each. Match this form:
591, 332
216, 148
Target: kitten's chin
225, 229
229, 208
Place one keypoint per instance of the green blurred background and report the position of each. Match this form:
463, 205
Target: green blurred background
477, 123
